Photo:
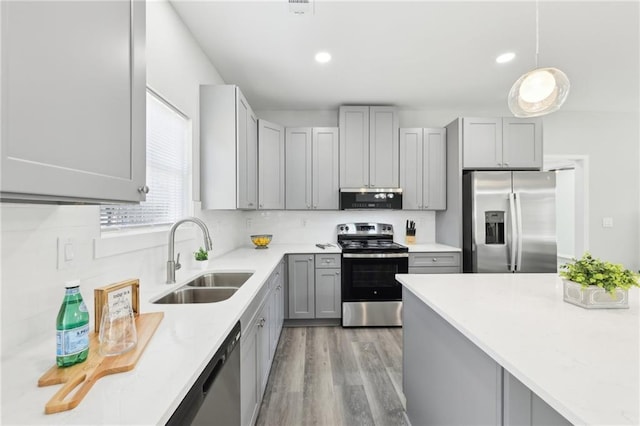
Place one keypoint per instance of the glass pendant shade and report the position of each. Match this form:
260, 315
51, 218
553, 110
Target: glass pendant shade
538, 92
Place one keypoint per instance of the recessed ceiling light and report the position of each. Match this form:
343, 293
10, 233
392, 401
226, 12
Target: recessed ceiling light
505, 57
323, 57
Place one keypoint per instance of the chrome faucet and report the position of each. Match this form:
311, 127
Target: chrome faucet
172, 265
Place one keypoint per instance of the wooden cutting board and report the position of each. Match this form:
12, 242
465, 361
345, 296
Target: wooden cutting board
82, 376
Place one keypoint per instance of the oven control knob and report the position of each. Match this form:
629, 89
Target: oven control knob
375, 292
346, 228
342, 228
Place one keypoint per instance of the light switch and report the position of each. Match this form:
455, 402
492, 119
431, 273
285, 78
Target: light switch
607, 222
66, 252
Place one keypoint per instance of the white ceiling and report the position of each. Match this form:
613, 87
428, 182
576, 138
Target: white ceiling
420, 54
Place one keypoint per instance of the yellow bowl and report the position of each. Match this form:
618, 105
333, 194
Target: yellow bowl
261, 241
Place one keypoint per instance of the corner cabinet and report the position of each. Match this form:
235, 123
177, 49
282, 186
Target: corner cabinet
73, 101
228, 149
501, 143
311, 168
271, 167
369, 147
423, 169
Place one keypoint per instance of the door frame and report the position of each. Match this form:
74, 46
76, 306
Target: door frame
580, 164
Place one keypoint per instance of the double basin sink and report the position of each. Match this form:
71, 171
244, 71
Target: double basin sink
208, 288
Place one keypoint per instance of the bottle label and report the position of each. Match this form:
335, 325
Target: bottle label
73, 341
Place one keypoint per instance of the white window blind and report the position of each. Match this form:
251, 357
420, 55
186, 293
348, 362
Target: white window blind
168, 171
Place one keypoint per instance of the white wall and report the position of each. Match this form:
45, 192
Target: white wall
611, 141
32, 287
565, 213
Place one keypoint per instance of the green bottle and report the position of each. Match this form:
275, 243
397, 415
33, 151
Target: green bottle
72, 328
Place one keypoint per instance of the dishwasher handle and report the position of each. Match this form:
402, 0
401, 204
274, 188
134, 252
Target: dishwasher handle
206, 386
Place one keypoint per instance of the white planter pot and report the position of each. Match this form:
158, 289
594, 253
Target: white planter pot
202, 264
594, 297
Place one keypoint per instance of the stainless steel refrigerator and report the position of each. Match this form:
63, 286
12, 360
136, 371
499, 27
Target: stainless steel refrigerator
509, 221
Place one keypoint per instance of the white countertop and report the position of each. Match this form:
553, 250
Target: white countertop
186, 339
583, 363
430, 247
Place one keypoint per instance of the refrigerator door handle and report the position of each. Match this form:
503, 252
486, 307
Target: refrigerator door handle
516, 196
514, 234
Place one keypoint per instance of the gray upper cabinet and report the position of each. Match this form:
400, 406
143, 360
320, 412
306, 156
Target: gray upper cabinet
73, 101
247, 157
228, 149
369, 153
271, 166
383, 147
312, 168
502, 143
423, 170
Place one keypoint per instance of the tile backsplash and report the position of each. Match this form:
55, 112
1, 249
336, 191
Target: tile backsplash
32, 287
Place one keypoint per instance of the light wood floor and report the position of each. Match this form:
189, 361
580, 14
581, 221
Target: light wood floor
335, 376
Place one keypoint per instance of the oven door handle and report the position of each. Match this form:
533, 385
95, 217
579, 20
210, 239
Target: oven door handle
374, 255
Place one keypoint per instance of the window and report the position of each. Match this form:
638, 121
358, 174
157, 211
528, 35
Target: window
168, 172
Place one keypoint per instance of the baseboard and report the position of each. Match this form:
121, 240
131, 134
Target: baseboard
318, 322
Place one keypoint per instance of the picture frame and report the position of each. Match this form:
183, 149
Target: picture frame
112, 292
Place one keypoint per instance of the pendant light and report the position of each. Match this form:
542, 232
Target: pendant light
541, 90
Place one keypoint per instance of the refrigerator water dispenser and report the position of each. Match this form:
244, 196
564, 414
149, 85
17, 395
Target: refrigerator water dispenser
494, 227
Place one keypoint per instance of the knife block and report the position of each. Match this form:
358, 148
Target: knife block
410, 239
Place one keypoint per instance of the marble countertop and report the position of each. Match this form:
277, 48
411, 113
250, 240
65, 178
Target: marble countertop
185, 341
583, 363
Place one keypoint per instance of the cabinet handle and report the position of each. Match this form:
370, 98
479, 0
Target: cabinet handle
261, 322
250, 204
143, 189
337, 273
420, 206
308, 206
434, 259
261, 206
311, 258
315, 207
506, 164
279, 287
499, 164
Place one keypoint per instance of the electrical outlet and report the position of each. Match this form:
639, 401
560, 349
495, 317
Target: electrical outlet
66, 252
304, 222
607, 222
249, 223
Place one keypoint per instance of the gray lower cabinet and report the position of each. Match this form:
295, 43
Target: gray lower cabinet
261, 326
434, 263
328, 293
301, 286
73, 107
447, 379
451, 381
423, 168
314, 285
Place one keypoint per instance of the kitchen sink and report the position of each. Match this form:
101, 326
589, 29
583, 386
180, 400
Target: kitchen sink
221, 279
197, 295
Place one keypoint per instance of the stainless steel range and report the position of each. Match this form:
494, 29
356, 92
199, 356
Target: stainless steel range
371, 296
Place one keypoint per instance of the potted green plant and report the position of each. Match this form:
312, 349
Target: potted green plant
592, 283
202, 258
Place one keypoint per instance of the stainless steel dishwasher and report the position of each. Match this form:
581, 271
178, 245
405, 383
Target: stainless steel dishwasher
214, 399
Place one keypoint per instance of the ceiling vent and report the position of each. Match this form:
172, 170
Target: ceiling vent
301, 7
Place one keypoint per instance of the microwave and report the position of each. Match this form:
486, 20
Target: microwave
370, 198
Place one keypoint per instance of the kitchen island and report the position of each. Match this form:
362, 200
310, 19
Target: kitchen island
505, 348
